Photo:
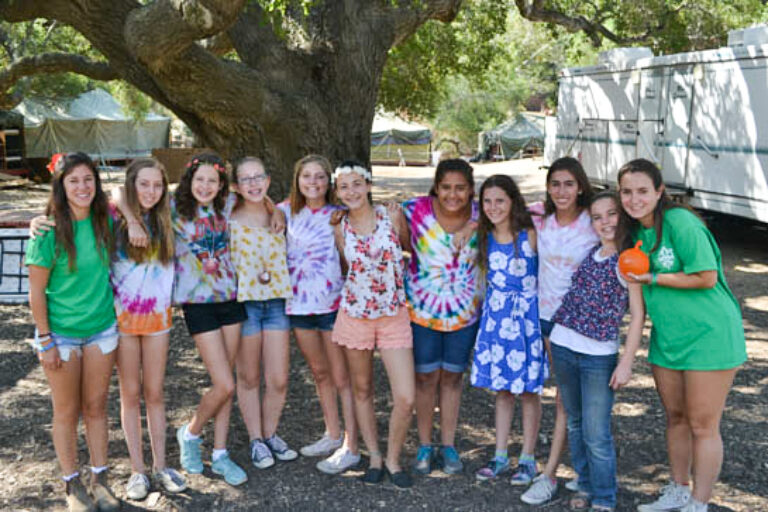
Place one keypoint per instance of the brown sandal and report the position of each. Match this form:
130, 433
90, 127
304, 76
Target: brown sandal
579, 501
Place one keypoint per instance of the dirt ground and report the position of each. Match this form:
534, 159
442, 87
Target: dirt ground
29, 473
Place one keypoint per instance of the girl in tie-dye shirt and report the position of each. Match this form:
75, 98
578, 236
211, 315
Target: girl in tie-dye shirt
443, 301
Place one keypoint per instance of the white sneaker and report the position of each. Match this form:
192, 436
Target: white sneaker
341, 460
573, 485
137, 487
326, 445
541, 490
672, 497
170, 480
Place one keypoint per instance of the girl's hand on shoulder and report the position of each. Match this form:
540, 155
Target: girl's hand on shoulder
336, 216
39, 225
137, 236
50, 359
393, 209
621, 375
277, 221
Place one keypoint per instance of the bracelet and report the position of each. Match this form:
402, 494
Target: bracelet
46, 348
654, 279
44, 335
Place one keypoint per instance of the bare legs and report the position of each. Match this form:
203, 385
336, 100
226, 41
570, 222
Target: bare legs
268, 350
329, 369
399, 366
505, 406
218, 350
694, 403
141, 362
560, 432
81, 385
448, 384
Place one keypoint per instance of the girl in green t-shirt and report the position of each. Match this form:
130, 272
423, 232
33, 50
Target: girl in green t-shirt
72, 305
697, 340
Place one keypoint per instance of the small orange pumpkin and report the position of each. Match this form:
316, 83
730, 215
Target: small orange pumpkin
634, 261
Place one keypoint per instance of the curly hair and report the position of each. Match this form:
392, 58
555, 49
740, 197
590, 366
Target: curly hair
186, 204
519, 218
158, 224
58, 207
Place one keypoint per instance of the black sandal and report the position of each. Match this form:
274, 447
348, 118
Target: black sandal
373, 476
401, 479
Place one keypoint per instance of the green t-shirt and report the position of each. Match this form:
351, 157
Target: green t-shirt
80, 303
693, 329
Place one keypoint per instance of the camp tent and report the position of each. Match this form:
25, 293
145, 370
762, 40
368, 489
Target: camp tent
393, 139
512, 138
93, 123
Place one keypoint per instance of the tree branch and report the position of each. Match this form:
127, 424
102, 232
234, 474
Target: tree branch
411, 15
594, 29
49, 63
165, 28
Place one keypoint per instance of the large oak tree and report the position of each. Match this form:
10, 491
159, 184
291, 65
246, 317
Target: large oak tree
277, 84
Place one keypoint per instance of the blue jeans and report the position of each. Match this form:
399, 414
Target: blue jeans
583, 382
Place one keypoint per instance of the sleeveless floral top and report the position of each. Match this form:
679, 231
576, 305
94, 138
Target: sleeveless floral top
374, 287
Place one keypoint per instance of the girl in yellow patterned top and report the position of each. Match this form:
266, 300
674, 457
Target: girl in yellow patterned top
262, 285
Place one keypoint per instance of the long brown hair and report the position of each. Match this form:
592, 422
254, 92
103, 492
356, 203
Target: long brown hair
158, 223
519, 218
628, 225
58, 207
234, 178
298, 201
576, 170
186, 204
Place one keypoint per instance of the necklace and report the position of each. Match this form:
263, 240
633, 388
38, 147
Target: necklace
211, 264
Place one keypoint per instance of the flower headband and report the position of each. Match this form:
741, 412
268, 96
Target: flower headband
56, 163
196, 161
357, 169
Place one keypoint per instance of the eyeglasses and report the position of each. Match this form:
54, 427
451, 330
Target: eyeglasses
252, 180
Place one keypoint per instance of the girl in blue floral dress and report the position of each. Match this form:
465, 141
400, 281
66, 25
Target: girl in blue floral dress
509, 353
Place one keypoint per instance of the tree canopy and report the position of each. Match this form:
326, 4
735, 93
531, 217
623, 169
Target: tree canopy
282, 78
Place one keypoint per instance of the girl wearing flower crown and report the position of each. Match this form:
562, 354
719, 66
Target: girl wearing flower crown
373, 314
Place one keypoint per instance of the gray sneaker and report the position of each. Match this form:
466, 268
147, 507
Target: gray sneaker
137, 487
324, 446
261, 455
541, 491
672, 497
170, 480
280, 448
341, 460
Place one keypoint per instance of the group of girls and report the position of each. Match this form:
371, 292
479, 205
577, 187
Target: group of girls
245, 273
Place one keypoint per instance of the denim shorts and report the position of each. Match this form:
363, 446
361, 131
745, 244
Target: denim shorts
546, 327
106, 340
265, 315
450, 351
209, 316
322, 322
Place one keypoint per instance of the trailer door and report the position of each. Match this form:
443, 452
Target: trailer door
677, 120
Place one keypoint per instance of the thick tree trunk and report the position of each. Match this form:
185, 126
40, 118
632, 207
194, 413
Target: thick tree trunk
311, 90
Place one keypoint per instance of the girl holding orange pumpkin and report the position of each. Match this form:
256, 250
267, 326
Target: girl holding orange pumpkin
697, 341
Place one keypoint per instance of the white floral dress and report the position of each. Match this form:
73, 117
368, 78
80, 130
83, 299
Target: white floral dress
509, 352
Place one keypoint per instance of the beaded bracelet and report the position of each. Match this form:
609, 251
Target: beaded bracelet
46, 348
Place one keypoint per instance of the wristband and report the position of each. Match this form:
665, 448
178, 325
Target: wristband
45, 348
654, 279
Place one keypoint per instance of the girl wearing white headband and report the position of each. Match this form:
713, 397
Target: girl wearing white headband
373, 314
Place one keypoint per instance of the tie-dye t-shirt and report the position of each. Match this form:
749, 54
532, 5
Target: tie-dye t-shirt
142, 291
561, 251
440, 283
313, 261
204, 269
256, 250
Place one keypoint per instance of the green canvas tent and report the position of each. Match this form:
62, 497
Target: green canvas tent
394, 140
93, 123
512, 138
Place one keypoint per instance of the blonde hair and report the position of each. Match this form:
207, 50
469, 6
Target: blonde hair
298, 201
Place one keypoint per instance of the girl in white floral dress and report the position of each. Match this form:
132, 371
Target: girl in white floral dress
509, 353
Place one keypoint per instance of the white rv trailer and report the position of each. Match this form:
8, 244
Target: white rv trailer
701, 116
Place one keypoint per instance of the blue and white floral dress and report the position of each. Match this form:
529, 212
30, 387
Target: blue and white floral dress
509, 352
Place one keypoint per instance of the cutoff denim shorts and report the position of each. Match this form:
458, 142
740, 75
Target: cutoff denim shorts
106, 340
